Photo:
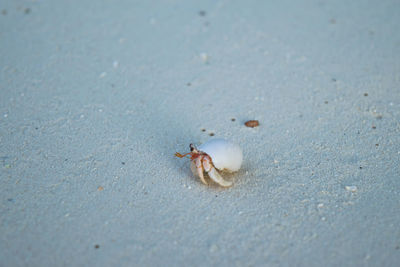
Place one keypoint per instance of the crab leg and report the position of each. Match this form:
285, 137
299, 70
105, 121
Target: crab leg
199, 169
214, 175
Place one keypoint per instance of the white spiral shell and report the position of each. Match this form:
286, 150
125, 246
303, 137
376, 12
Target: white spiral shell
224, 155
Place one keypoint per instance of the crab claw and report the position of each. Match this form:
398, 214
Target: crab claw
214, 175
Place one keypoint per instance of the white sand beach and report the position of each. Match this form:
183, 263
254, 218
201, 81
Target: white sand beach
97, 96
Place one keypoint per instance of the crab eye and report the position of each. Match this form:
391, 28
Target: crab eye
191, 147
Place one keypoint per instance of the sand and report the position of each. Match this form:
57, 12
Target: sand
97, 96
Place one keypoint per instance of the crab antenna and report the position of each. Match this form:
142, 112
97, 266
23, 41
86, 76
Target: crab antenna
179, 155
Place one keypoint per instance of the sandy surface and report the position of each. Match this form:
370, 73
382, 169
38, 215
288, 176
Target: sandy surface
97, 96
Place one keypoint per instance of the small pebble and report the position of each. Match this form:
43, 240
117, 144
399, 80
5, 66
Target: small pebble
365, 94
351, 188
96, 246
252, 123
100, 188
204, 57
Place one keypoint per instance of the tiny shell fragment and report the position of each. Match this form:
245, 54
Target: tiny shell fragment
351, 188
252, 123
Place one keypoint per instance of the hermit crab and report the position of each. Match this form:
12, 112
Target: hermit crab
214, 154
